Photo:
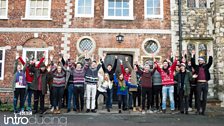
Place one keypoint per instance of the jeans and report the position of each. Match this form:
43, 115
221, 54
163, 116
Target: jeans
122, 99
91, 92
109, 100
19, 93
104, 95
130, 99
193, 92
146, 92
183, 101
70, 96
57, 96
79, 95
28, 97
157, 96
38, 95
168, 90
202, 91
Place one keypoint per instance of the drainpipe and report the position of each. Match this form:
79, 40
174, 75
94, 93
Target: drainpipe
180, 28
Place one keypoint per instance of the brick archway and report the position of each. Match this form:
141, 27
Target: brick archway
35, 43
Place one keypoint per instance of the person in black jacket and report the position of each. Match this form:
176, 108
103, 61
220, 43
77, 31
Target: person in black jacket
110, 70
203, 76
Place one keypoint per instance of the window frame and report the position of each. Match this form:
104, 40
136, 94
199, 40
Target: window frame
3, 63
6, 12
131, 12
151, 39
197, 5
154, 16
28, 17
86, 37
84, 15
35, 50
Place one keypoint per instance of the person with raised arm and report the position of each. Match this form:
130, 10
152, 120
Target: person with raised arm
202, 76
19, 86
91, 80
167, 75
110, 70
29, 66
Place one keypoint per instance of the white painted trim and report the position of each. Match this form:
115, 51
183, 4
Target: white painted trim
134, 51
84, 15
6, 12
86, 37
3, 63
153, 16
131, 12
37, 19
88, 30
148, 39
27, 13
35, 49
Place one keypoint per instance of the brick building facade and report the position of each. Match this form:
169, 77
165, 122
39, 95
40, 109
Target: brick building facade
70, 26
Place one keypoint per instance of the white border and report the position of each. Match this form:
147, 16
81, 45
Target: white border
3, 63
148, 39
6, 13
153, 16
27, 13
131, 12
88, 30
35, 49
84, 15
86, 37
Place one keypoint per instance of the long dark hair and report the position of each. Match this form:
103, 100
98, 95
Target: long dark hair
167, 69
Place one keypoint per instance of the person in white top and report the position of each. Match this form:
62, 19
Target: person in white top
103, 84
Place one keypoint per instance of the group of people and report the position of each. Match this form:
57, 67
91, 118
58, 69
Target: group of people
143, 88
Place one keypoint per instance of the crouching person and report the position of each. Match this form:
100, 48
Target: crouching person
19, 85
102, 87
39, 86
183, 78
122, 90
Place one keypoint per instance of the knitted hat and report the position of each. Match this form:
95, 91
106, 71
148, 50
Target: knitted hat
201, 58
183, 64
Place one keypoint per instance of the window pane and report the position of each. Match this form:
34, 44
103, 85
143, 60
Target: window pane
191, 3
151, 46
46, 4
80, 2
39, 4
32, 12
39, 55
157, 3
118, 12
190, 48
202, 51
3, 4
126, 12
39, 12
149, 3
86, 44
111, 12
32, 3
111, 3
202, 3
3, 12
126, 3
81, 10
0, 69
1, 54
157, 11
118, 3
30, 54
88, 2
149, 11
87, 10
45, 12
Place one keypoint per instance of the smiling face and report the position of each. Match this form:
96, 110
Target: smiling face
201, 61
165, 65
121, 77
182, 68
19, 67
126, 70
93, 65
106, 76
146, 68
109, 67
78, 66
59, 69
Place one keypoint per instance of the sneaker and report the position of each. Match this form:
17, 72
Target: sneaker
149, 111
190, 109
68, 110
186, 112
74, 110
143, 112
88, 110
172, 112
140, 109
108, 110
35, 112
134, 109
58, 111
52, 109
29, 109
119, 111
164, 111
155, 111
93, 111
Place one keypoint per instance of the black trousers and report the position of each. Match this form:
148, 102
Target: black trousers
57, 96
38, 96
65, 98
183, 101
79, 96
202, 91
176, 97
105, 97
146, 92
193, 92
122, 99
19, 93
137, 95
51, 95
157, 96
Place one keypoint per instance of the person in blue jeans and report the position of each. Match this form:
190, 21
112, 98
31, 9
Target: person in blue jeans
110, 70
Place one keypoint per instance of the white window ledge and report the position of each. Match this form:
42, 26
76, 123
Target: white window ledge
118, 18
4, 18
37, 18
154, 17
